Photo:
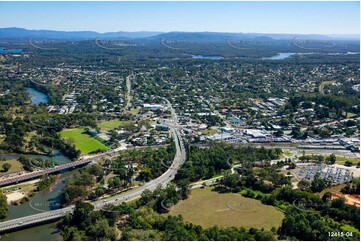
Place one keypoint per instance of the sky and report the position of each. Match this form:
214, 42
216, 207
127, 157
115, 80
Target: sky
245, 17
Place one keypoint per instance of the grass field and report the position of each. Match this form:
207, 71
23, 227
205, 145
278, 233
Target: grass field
286, 154
336, 188
208, 208
15, 166
135, 111
341, 160
24, 187
112, 124
350, 115
84, 142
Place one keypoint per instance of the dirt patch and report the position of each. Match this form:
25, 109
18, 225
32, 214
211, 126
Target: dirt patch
349, 199
14, 196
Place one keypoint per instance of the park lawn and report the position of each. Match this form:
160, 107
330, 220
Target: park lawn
83, 142
135, 111
15, 166
29, 135
2, 137
351, 115
208, 208
341, 160
349, 228
336, 188
26, 187
112, 124
286, 154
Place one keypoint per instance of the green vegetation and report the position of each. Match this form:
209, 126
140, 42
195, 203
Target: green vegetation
112, 124
82, 141
323, 84
209, 208
45, 182
15, 166
204, 163
134, 111
287, 154
352, 187
78, 188
3, 205
6, 167
310, 226
341, 160
139, 221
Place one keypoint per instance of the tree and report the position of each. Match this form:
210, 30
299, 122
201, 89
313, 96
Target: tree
332, 159
327, 196
278, 133
304, 185
6, 167
296, 132
278, 151
324, 133
81, 214
318, 184
3, 205
183, 185
114, 182
232, 182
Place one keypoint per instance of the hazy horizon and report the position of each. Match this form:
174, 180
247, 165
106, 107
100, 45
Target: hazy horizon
324, 18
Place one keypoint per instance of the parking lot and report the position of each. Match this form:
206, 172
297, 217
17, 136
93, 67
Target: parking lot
334, 174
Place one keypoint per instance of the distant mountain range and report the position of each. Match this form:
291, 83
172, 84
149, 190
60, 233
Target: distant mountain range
76, 35
20, 33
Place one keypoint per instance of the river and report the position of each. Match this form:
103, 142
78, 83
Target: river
214, 57
36, 96
58, 157
280, 56
46, 200
42, 201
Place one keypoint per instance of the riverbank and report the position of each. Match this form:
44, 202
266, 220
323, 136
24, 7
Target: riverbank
19, 191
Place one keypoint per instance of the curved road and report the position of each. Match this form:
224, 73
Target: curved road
166, 177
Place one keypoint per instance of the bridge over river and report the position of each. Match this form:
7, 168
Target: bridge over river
56, 169
179, 159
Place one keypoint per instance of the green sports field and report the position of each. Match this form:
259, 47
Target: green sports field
208, 208
112, 124
84, 142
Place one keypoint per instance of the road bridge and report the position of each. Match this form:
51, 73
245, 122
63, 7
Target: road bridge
179, 159
56, 169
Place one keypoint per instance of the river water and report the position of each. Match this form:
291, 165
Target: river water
37, 97
46, 200
216, 57
280, 56
43, 201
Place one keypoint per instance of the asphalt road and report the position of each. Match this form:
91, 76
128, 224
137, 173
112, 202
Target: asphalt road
162, 180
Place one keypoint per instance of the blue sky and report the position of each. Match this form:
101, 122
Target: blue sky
256, 17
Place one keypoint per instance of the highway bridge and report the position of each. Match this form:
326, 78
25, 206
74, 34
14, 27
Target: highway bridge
179, 159
56, 169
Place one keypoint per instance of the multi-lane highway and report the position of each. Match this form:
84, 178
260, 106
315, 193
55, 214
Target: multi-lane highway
129, 97
162, 180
